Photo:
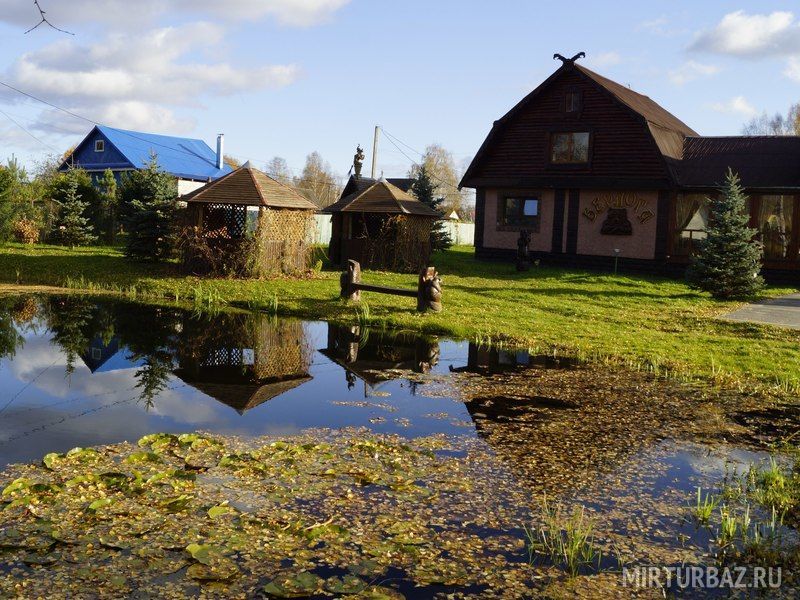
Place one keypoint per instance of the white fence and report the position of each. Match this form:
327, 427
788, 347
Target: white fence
462, 234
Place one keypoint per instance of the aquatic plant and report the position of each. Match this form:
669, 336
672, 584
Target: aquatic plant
705, 506
565, 538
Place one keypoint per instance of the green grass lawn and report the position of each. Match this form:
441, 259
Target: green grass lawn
649, 322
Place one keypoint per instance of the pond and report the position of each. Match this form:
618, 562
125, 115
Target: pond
492, 435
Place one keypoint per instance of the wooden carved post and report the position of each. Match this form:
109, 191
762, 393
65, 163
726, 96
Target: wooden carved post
429, 291
348, 279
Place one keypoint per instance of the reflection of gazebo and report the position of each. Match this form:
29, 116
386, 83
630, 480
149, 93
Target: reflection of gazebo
248, 206
244, 360
376, 358
381, 226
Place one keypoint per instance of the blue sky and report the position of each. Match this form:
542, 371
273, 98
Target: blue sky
285, 77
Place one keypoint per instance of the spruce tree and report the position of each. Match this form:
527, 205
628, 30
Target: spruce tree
149, 201
424, 189
108, 203
73, 227
728, 262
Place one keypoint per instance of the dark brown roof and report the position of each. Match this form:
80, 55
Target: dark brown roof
653, 112
666, 129
762, 162
359, 184
250, 187
382, 197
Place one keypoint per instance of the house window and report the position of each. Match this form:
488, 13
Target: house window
691, 222
775, 220
569, 148
519, 212
99, 145
573, 102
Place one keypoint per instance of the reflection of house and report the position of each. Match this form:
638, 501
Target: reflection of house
243, 360
376, 358
588, 166
380, 225
102, 357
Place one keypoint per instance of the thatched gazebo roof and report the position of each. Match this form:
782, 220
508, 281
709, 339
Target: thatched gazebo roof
247, 186
382, 197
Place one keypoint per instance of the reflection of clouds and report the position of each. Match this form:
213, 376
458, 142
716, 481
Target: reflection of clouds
722, 460
185, 404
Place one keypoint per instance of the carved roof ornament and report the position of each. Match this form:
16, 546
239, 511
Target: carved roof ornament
569, 61
358, 161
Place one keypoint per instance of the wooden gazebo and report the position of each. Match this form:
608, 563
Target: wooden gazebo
381, 226
248, 223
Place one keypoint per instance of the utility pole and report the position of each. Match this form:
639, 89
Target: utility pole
375, 151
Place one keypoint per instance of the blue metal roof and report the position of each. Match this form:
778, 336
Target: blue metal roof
185, 158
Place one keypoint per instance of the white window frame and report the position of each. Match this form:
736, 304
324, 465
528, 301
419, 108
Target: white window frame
99, 145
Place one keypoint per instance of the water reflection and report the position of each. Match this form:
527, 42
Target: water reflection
245, 359
376, 358
77, 371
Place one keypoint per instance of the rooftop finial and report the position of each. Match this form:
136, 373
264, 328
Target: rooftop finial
358, 161
570, 61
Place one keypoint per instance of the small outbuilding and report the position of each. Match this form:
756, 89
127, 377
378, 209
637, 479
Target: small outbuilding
381, 226
249, 224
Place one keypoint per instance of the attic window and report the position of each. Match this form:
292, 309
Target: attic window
99, 145
572, 102
569, 148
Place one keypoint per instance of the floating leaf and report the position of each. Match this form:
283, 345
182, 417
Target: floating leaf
349, 584
100, 503
219, 510
143, 457
200, 552
51, 460
294, 586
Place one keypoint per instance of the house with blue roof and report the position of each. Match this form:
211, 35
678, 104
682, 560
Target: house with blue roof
191, 161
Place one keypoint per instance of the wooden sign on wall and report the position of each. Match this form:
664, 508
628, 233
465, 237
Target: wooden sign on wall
619, 200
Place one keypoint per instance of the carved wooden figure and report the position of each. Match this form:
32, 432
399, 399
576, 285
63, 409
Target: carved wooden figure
429, 293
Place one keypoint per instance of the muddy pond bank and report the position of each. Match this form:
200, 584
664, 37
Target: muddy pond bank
347, 434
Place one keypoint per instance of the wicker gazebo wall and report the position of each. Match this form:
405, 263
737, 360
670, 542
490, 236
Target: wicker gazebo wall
404, 244
282, 241
278, 245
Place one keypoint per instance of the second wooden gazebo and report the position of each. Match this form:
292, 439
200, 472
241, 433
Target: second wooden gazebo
382, 227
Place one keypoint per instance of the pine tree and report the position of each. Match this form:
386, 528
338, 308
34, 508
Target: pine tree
108, 202
73, 227
424, 189
729, 260
149, 200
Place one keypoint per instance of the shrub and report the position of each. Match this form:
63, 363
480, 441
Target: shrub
25, 231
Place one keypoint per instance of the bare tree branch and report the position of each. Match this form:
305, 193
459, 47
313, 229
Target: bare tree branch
44, 21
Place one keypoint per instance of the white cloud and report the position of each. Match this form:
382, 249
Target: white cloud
690, 71
604, 59
735, 106
125, 14
744, 35
136, 80
792, 70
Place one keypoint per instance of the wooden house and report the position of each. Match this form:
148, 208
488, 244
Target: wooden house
596, 171
381, 226
248, 223
191, 161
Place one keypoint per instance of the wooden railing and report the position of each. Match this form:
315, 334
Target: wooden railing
428, 292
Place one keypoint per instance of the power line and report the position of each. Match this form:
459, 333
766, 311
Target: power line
7, 116
391, 139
